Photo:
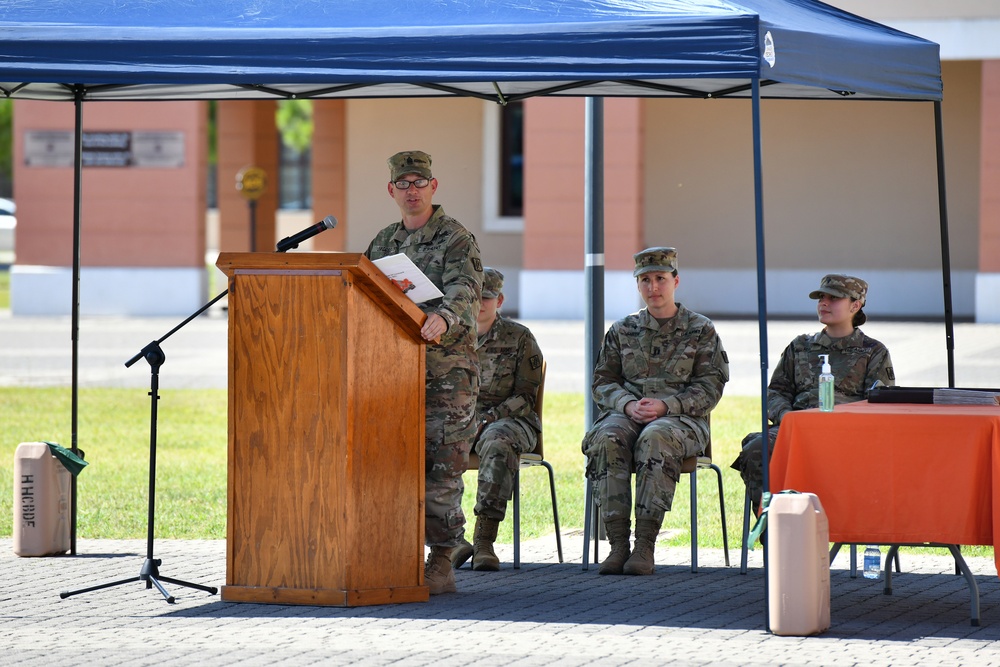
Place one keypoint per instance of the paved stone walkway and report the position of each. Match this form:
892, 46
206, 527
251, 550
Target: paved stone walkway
545, 613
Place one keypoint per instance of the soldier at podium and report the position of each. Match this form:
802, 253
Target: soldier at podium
507, 425
448, 254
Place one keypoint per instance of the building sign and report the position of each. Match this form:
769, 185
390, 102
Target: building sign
251, 182
107, 149
54, 148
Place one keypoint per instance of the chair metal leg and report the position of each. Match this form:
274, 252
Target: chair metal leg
517, 512
555, 510
694, 516
746, 533
588, 512
694, 519
591, 524
722, 513
517, 519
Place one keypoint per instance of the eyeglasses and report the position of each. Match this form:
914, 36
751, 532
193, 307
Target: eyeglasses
405, 185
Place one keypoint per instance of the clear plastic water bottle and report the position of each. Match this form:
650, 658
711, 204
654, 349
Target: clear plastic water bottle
873, 562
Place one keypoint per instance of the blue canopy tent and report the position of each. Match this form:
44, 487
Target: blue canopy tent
497, 50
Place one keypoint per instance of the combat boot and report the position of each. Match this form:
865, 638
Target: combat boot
641, 560
619, 531
483, 557
461, 553
438, 573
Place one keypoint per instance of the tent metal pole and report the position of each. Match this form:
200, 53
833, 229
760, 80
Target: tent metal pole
758, 194
593, 269
75, 320
949, 316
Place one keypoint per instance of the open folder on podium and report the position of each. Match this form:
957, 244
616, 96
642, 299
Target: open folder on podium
405, 275
326, 432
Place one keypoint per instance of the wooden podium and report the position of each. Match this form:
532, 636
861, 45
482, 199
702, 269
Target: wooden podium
326, 433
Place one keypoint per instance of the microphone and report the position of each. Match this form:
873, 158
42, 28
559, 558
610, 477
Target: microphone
293, 241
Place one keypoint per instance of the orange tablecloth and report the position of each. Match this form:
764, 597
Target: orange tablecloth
892, 473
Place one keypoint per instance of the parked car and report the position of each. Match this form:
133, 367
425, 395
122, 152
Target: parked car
8, 223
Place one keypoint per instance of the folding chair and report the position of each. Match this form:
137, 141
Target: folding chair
691, 466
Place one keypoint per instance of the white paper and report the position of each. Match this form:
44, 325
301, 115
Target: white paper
405, 275
966, 397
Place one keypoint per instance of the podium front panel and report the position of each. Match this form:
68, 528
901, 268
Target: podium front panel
326, 464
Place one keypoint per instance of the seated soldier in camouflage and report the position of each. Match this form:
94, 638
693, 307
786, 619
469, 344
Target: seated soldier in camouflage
510, 373
658, 376
858, 362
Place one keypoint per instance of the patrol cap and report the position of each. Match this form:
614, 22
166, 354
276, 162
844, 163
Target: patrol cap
836, 284
492, 283
409, 162
655, 259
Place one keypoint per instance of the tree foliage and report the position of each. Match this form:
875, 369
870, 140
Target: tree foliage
294, 119
6, 138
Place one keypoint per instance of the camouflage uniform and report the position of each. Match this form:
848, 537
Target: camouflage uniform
857, 362
511, 371
681, 362
449, 255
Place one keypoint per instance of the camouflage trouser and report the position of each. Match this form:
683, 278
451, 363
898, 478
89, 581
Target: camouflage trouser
450, 407
750, 463
617, 445
499, 446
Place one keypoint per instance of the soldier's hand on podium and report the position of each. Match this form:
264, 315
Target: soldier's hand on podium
434, 327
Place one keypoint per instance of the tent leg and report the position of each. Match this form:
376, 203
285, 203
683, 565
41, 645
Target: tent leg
593, 273
758, 190
75, 315
949, 316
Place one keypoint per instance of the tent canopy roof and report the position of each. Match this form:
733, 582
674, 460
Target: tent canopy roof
497, 50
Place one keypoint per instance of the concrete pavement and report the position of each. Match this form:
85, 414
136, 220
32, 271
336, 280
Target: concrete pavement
546, 613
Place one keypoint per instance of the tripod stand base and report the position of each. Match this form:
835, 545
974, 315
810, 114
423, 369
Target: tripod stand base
151, 575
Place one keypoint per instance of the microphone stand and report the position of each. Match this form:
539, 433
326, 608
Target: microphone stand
154, 356
150, 571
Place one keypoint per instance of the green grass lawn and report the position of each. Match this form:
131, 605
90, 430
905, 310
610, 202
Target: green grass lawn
4, 289
112, 492
113, 431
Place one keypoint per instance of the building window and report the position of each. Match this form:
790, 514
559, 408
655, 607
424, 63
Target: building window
295, 179
512, 160
503, 168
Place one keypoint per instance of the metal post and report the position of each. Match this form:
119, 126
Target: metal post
758, 193
593, 271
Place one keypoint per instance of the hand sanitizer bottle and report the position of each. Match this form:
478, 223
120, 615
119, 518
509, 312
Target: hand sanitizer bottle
826, 385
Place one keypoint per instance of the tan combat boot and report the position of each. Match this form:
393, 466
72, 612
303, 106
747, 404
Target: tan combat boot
641, 560
461, 553
484, 559
438, 574
619, 531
